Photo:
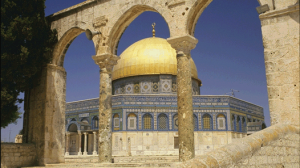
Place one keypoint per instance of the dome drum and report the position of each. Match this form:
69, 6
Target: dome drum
150, 84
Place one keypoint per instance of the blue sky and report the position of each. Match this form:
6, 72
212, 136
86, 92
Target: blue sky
229, 53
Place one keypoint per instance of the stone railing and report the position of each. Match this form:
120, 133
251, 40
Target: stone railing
15, 155
277, 145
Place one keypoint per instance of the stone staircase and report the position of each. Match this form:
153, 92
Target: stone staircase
120, 161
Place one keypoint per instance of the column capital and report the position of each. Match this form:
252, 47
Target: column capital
94, 132
106, 61
85, 133
183, 44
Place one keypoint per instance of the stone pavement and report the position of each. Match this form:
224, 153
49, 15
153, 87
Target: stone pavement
132, 161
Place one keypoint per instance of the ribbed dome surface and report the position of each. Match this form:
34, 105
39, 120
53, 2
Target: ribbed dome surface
148, 57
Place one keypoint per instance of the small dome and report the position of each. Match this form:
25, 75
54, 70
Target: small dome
148, 57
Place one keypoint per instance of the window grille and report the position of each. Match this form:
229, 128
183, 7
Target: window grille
132, 121
162, 122
116, 122
147, 121
206, 121
221, 122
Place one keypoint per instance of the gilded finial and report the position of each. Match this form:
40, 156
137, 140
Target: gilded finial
153, 31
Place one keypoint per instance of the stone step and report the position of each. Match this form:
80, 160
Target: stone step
94, 165
123, 159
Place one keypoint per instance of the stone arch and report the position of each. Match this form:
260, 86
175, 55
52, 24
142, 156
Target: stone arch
72, 128
194, 14
70, 123
124, 21
63, 44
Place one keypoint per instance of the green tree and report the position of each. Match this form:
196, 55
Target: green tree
26, 44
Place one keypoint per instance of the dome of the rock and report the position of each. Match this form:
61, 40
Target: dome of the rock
150, 56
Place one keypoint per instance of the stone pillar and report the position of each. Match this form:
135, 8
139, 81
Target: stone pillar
85, 144
280, 34
67, 143
95, 144
106, 63
183, 45
79, 143
45, 115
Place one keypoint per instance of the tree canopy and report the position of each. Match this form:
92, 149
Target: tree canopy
26, 44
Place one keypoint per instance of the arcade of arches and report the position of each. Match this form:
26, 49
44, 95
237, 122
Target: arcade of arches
44, 116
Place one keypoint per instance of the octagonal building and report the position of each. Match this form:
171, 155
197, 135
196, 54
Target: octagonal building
144, 102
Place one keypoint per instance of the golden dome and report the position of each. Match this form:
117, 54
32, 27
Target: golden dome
147, 57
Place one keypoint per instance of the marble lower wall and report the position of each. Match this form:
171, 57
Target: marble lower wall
15, 155
164, 143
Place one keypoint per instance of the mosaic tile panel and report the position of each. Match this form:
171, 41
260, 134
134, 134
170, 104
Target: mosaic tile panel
170, 121
174, 87
136, 88
214, 121
155, 87
129, 89
165, 85
145, 87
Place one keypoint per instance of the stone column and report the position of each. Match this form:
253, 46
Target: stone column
67, 143
79, 143
45, 108
85, 144
95, 144
106, 63
280, 34
183, 45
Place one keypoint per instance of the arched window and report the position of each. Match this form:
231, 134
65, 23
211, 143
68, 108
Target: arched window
162, 122
131, 122
238, 124
249, 120
95, 122
175, 122
195, 122
147, 122
206, 122
116, 122
243, 124
72, 128
221, 122
233, 127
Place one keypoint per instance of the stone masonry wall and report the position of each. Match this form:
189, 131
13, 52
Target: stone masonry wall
15, 155
275, 146
283, 152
